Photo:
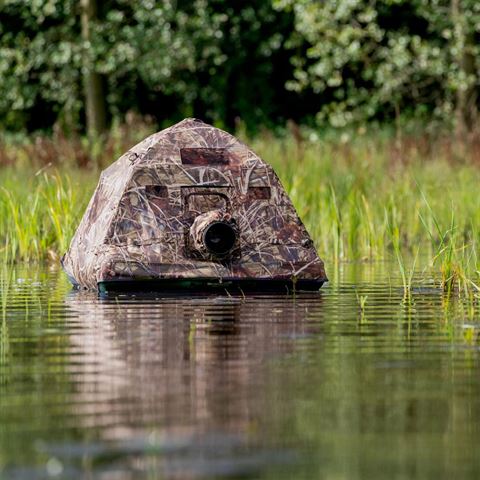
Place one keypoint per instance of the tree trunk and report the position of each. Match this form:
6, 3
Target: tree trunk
469, 108
95, 104
466, 109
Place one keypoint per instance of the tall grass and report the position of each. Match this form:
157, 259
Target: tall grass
360, 199
39, 212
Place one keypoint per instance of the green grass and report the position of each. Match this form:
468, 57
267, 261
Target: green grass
361, 201
39, 212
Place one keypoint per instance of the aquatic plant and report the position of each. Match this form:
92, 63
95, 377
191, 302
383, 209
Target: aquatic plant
359, 198
362, 302
39, 213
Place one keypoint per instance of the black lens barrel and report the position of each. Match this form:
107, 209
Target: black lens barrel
219, 238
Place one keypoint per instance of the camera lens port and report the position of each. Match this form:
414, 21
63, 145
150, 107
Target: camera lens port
213, 235
219, 238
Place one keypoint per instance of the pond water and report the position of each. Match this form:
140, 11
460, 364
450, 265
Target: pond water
256, 387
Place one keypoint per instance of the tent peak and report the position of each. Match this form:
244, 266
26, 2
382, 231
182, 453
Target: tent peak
190, 122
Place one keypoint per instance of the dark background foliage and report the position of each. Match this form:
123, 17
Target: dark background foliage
259, 62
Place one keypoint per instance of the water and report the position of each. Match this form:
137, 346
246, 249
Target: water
261, 387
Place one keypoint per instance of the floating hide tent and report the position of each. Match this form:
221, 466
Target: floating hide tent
192, 206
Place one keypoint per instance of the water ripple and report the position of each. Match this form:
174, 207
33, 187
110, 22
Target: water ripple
141, 386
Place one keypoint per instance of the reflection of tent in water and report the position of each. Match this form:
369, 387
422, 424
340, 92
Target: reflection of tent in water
195, 392
198, 370
192, 206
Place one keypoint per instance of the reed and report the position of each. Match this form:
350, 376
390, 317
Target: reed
39, 213
362, 302
360, 199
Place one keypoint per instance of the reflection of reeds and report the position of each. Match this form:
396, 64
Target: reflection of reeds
5, 283
362, 302
359, 198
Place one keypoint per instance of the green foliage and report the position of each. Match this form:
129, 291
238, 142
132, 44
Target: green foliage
39, 212
166, 59
360, 202
40, 60
260, 62
380, 58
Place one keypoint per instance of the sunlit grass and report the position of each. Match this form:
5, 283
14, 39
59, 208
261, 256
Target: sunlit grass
365, 204
359, 201
39, 212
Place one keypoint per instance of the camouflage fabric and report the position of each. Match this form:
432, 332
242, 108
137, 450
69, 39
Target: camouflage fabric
149, 214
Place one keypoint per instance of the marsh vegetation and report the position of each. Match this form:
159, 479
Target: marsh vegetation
368, 111
363, 198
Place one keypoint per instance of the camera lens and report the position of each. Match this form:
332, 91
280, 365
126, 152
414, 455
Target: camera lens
219, 238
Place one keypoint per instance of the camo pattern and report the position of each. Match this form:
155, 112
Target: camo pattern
194, 240
142, 220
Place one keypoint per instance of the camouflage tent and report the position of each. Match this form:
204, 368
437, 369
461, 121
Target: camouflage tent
191, 205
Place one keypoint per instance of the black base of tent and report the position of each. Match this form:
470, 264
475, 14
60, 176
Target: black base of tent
209, 285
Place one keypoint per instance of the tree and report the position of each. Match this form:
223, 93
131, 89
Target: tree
465, 53
40, 64
95, 101
62, 58
78, 62
381, 58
